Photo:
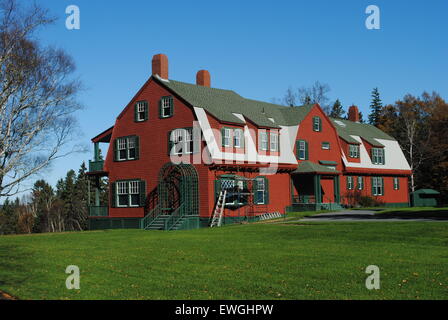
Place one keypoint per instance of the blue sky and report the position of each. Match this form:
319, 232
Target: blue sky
257, 48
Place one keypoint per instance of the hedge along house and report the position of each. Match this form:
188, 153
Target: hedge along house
180, 154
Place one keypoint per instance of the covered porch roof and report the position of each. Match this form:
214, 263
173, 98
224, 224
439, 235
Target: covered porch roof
307, 167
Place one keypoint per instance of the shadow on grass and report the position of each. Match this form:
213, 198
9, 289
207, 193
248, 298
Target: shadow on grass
436, 215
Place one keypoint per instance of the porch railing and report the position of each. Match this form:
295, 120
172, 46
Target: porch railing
98, 211
149, 219
178, 214
304, 199
95, 166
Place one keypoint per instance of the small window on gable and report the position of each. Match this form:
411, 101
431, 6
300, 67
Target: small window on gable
302, 150
317, 124
166, 108
325, 145
238, 137
378, 156
141, 111
226, 134
180, 141
126, 148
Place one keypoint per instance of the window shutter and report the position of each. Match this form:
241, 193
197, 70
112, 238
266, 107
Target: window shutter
306, 151
320, 124
115, 145
371, 184
172, 106
170, 143
347, 182
137, 147
297, 148
398, 183
382, 186
242, 139
384, 156
146, 110
135, 112
160, 108
266, 192
254, 191
113, 194
142, 186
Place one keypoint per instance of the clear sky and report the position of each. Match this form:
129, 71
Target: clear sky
257, 48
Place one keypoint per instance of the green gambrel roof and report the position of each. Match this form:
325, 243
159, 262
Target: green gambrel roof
368, 132
311, 167
223, 103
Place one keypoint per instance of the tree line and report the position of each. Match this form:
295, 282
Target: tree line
47, 209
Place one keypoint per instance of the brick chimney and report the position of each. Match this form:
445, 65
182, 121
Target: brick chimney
203, 78
353, 114
160, 66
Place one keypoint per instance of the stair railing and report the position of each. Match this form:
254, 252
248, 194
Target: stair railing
174, 218
149, 219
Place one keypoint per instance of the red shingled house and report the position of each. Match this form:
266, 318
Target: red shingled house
180, 154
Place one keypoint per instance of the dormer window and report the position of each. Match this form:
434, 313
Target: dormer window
141, 111
353, 151
226, 136
317, 124
263, 140
238, 138
378, 156
274, 141
166, 108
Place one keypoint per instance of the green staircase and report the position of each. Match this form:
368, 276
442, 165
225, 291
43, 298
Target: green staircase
331, 206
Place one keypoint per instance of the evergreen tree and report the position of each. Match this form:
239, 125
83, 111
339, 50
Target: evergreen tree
376, 107
337, 111
8, 218
361, 119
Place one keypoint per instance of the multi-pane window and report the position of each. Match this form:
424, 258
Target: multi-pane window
360, 183
128, 193
317, 124
377, 156
181, 141
260, 192
263, 140
141, 111
350, 183
237, 138
396, 184
226, 137
166, 107
377, 186
325, 145
127, 148
353, 150
301, 150
274, 141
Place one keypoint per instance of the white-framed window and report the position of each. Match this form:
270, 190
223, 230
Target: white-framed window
226, 136
166, 107
396, 183
128, 193
360, 183
181, 141
349, 182
127, 148
325, 145
274, 141
141, 111
377, 186
261, 191
237, 138
377, 156
317, 124
263, 140
302, 150
353, 151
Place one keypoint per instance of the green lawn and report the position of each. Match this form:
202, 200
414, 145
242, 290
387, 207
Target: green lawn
255, 261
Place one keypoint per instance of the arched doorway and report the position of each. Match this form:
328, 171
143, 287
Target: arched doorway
178, 185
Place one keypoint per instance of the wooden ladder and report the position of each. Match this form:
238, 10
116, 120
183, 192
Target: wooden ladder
219, 210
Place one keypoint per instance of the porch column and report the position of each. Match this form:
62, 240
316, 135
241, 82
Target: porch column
337, 194
317, 189
96, 154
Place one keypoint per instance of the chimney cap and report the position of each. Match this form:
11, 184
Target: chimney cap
353, 113
203, 78
160, 65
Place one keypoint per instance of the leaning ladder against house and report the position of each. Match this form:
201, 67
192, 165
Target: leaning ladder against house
219, 210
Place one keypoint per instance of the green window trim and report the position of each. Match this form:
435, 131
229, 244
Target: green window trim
378, 156
261, 134
326, 145
190, 146
240, 135
138, 112
396, 182
274, 137
228, 137
258, 200
317, 124
360, 182
353, 151
166, 103
302, 145
377, 186
350, 184
141, 194
122, 145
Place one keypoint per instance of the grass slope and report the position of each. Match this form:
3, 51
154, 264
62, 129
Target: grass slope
257, 261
